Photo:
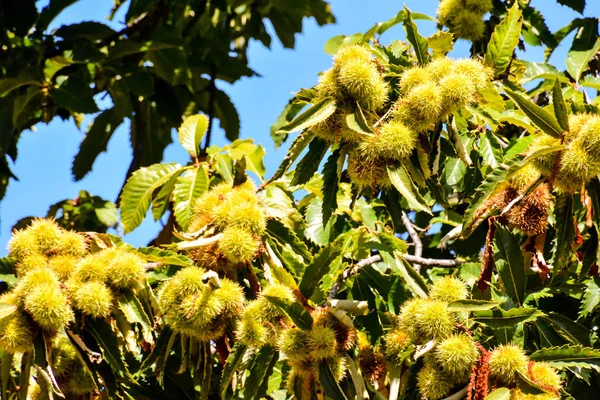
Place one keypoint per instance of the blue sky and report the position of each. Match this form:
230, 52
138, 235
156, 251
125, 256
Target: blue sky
44, 161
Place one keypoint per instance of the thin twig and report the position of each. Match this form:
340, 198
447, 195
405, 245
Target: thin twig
425, 349
385, 116
212, 91
414, 236
453, 234
199, 242
355, 268
458, 395
350, 271
431, 261
152, 266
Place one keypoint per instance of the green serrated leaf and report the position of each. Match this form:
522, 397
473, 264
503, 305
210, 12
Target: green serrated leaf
188, 188
472, 305
568, 356
413, 280
294, 310
330, 185
152, 254
404, 184
510, 264
160, 203
9, 84
419, 43
309, 164
26, 105
206, 370
591, 298
565, 230
255, 161
297, 147
501, 319
490, 149
528, 386
539, 116
560, 108
109, 345
329, 382
233, 362
577, 61
315, 231
191, 132
441, 43
315, 114
504, 40
591, 81
137, 192
160, 352
499, 394
75, 95
279, 232
319, 266
5, 368
357, 122
260, 370
577, 5
572, 331
135, 313
90, 30
95, 141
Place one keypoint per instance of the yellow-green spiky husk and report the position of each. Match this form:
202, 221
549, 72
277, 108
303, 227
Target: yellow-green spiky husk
322, 343
393, 140
206, 204
449, 289
29, 263
48, 307
63, 266
240, 208
479, 6
422, 106
457, 355
407, 318
545, 376
193, 307
45, 237
458, 91
396, 341
434, 320
439, 68
414, 77
93, 267
16, 333
294, 343
447, 9
366, 172
238, 245
506, 361
125, 268
92, 298
432, 383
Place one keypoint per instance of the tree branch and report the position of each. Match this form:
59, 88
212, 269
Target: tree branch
355, 268
152, 266
458, 395
414, 236
352, 270
212, 91
440, 262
